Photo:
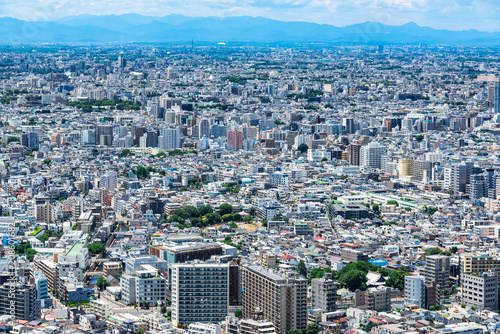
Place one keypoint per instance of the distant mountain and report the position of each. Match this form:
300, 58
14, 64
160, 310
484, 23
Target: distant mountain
177, 28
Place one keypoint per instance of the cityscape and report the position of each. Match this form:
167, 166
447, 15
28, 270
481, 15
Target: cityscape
206, 187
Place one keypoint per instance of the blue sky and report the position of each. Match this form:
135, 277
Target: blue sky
441, 14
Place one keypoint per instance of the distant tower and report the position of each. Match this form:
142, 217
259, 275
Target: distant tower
497, 98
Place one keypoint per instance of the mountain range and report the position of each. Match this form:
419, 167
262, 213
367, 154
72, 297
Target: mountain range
178, 28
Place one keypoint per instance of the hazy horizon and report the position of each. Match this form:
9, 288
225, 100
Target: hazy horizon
438, 14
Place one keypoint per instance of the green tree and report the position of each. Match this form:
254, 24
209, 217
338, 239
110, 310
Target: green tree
397, 278
238, 313
233, 225
301, 268
96, 248
225, 209
392, 202
142, 173
353, 279
126, 152
302, 148
432, 251
295, 331
102, 283
227, 217
204, 209
312, 328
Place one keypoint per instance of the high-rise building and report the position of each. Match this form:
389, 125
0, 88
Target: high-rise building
169, 139
437, 269
282, 297
88, 136
477, 187
353, 151
204, 128
457, 176
496, 101
149, 139
200, 292
405, 167
324, 293
481, 291
43, 209
415, 291
349, 126
371, 155
23, 296
108, 180
104, 135
138, 132
234, 140
41, 283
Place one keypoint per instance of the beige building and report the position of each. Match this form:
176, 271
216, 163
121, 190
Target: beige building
112, 268
373, 299
478, 263
405, 167
280, 295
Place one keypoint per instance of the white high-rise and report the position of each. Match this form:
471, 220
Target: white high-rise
415, 291
169, 139
371, 156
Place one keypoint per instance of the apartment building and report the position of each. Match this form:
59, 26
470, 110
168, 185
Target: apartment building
481, 290
143, 286
281, 295
200, 292
375, 299
324, 293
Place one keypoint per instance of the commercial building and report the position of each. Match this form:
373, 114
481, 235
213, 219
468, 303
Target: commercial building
282, 297
437, 269
187, 252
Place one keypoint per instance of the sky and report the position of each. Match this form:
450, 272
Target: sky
440, 14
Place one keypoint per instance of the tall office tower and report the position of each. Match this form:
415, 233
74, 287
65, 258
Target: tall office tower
122, 62
24, 297
477, 187
169, 139
149, 139
138, 132
108, 180
88, 136
282, 297
481, 291
143, 286
496, 107
324, 293
200, 292
349, 126
414, 291
204, 128
457, 175
371, 155
437, 270
353, 151
234, 140
104, 135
